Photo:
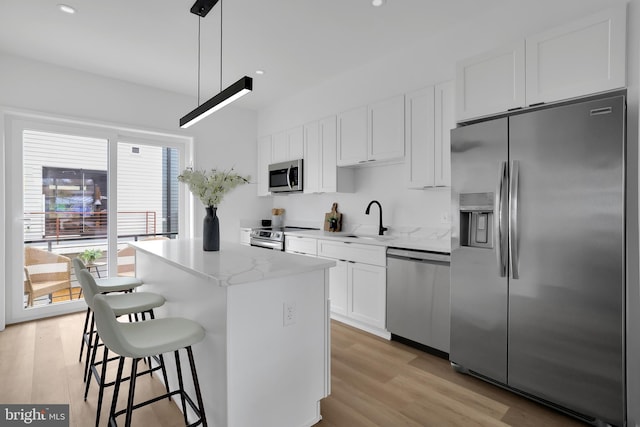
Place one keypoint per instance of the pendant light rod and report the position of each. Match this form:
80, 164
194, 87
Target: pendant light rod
220, 45
199, 20
226, 96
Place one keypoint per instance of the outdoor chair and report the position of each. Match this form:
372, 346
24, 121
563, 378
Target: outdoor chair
127, 258
45, 273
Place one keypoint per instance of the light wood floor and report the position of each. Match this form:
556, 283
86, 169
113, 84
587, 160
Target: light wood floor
374, 383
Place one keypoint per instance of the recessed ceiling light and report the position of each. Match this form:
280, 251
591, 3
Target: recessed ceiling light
259, 72
377, 3
66, 9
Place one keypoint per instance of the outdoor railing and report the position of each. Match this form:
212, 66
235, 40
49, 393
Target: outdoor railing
60, 225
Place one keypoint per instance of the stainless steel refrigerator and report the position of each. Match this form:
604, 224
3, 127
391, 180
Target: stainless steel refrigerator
538, 254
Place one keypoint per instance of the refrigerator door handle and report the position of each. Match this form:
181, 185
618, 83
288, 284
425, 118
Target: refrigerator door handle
513, 218
498, 221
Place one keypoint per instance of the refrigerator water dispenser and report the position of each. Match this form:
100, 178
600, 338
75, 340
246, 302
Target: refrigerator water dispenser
476, 220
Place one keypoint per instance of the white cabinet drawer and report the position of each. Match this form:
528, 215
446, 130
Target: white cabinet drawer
305, 245
368, 254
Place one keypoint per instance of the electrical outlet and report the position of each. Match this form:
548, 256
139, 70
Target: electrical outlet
444, 218
289, 313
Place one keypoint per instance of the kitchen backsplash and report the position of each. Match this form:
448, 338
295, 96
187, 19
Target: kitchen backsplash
402, 209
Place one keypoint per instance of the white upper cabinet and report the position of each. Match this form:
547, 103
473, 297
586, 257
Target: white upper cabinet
444, 122
429, 120
264, 159
280, 147
352, 137
420, 134
583, 57
312, 163
287, 145
386, 129
576, 59
296, 144
371, 133
491, 83
321, 172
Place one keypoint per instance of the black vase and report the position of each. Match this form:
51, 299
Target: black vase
211, 230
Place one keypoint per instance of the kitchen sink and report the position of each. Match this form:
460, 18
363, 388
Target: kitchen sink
369, 237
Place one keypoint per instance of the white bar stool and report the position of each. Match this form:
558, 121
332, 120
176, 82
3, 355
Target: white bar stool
121, 304
107, 284
140, 340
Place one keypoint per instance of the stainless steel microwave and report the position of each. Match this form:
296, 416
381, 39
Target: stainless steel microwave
285, 177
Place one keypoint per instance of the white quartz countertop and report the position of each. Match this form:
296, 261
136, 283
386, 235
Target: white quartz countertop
433, 242
233, 264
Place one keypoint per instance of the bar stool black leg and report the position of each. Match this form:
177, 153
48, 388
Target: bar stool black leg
91, 351
196, 384
181, 385
84, 332
101, 386
116, 390
132, 389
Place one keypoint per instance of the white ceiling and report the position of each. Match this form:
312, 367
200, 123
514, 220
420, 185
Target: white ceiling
154, 42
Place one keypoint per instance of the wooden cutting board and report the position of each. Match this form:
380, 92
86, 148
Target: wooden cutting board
334, 214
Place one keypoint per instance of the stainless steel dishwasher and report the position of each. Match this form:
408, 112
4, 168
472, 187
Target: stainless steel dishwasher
418, 298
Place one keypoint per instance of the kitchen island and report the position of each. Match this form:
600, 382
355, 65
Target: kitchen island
265, 359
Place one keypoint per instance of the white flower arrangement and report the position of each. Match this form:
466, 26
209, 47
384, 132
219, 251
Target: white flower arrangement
211, 186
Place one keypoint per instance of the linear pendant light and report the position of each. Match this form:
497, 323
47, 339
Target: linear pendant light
226, 96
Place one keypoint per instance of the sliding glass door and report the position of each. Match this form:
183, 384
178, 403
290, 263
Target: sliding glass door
82, 191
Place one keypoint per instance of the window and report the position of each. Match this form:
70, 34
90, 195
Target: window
82, 187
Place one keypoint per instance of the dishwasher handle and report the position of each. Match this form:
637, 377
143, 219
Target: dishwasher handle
421, 256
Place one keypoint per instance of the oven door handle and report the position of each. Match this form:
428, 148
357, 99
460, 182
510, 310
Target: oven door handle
266, 244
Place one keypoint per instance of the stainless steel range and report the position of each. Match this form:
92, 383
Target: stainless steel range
272, 237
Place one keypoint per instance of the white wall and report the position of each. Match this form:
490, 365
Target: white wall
229, 140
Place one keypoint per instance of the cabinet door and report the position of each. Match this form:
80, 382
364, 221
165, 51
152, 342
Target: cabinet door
280, 147
328, 161
583, 57
420, 134
338, 287
312, 165
386, 129
444, 122
490, 83
301, 245
352, 137
366, 287
264, 160
245, 236
296, 143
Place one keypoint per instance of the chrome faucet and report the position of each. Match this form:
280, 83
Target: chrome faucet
381, 229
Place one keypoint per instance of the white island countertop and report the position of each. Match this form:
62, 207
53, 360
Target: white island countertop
233, 264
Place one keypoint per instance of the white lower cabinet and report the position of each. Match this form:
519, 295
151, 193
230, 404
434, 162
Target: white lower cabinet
367, 293
338, 288
357, 284
245, 236
300, 245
